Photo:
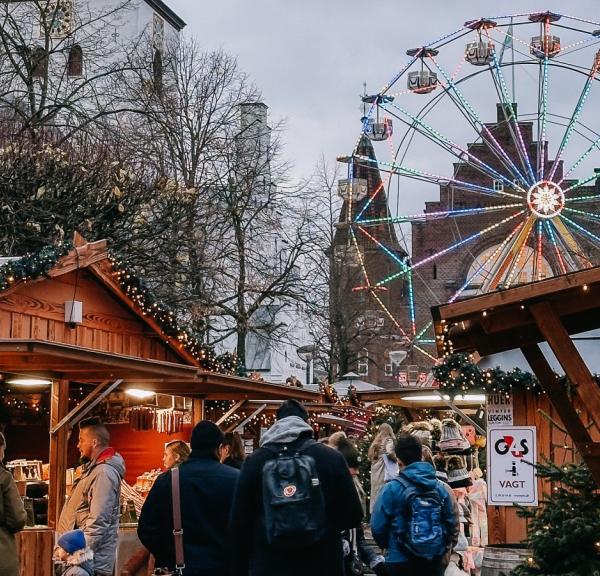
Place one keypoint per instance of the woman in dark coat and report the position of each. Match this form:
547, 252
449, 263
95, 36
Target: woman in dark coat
12, 518
231, 452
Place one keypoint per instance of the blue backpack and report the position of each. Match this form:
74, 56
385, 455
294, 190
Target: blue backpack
424, 534
293, 502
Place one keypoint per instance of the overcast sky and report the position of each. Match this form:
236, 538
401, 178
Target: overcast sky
310, 57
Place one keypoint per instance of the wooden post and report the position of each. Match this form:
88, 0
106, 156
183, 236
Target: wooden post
559, 340
197, 410
59, 408
564, 407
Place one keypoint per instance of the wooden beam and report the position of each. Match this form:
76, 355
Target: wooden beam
564, 407
88, 403
197, 410
59, 406
567, 354
231, 411
241, 425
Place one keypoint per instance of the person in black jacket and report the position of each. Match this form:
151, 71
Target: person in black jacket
253, 555
207, 488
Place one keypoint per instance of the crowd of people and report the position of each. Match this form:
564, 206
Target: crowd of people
295, 506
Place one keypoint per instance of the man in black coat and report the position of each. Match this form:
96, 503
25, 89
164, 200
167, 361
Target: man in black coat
207, 488
253, 556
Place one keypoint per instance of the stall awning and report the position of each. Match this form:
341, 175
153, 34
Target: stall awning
75, 363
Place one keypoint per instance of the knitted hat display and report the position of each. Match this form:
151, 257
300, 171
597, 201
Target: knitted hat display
422, 430
452, 440
72, 541
458, 476
440, 468
436, 429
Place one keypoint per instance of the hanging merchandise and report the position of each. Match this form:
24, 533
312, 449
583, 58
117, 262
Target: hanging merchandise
142, 418
458, 475
422, 430
169, 421
453, 440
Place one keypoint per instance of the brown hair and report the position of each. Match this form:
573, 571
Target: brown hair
236, 448
378, 445
180, 448
97, 429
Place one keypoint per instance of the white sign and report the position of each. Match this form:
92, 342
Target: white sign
499, 410
511, 459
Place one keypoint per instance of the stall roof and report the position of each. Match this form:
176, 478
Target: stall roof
502, 320
69, 362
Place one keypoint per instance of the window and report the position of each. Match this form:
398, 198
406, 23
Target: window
498, 185
75, 62
363, 363
157, 72
39, 62
389, 371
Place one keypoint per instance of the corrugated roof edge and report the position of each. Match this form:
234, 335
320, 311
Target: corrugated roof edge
167, 13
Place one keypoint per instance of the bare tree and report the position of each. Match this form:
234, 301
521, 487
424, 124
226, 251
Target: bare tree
335, 314
59, 66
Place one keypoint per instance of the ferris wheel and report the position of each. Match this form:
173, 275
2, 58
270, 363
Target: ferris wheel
486, 146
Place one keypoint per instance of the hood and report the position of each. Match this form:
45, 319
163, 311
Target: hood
421, 474
112, 458
286, 430
84, 559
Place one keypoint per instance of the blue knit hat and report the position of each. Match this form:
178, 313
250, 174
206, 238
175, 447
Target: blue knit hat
72, 541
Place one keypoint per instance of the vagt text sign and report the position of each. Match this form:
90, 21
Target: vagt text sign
511, 466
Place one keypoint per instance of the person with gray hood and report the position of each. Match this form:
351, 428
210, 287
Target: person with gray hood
94, 504
254, 555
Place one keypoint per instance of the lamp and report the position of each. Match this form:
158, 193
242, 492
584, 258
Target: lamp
29, 381
139, 394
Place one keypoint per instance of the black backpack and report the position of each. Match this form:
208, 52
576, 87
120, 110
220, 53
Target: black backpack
293, 503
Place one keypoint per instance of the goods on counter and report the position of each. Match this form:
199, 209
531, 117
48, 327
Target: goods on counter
144, 482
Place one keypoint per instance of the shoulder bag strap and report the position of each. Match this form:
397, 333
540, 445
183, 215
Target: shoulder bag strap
177, 529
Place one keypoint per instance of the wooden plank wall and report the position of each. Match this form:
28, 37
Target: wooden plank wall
553, 443
37, 311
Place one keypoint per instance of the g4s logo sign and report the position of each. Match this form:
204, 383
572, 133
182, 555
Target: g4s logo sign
507, 444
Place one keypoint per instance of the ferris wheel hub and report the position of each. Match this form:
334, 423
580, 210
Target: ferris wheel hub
546, 199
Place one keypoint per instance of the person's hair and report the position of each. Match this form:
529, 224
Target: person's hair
408, 449
349, 451
385, 432
97, 429
336, 438
427, 455
180, 448
236, 448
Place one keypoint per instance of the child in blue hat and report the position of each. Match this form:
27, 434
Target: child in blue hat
74, 553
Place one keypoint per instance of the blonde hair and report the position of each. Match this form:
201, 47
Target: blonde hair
377, 446
180, 449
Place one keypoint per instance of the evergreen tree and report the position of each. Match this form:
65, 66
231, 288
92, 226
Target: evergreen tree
564, 532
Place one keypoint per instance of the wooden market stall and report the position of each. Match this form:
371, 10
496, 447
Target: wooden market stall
74, 323
567, 420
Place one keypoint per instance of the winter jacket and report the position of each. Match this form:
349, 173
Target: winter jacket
253, 556
233, 462
206, 489
389, 518
383, 466
94, 507
12, 519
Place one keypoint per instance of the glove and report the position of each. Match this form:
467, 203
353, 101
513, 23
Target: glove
379, 569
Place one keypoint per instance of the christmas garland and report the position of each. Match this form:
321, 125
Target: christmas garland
34, 266
458, 374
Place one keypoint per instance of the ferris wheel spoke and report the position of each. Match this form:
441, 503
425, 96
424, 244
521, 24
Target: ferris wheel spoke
554, 242
572, 251
442, 215
513, 124
593, 216
433, 178
575, 116
478, 124
542, 118
595, 144
482, 267
516, 260
446, 143
588, 233
452, 247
